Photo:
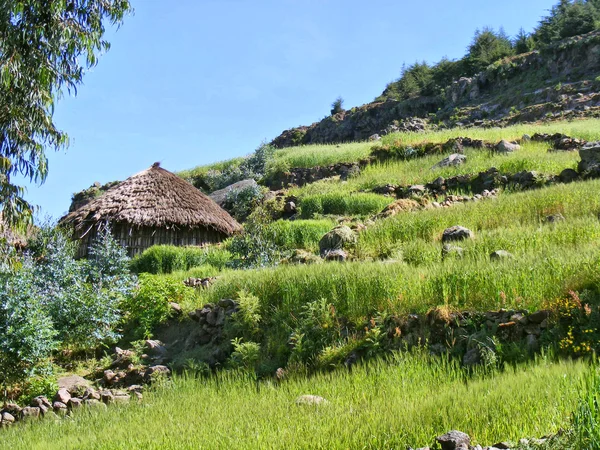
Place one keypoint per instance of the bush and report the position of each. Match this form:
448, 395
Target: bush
255, 247
81, 297
337, 106
247, 319
149, 306
27, 335
164, 259
241, 202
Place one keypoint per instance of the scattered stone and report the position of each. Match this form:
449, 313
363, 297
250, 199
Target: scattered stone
290, 208
155, 372
375, 137
30, 412
452, 251
454, 440
399, 206
335, 255
456, 233
456, 159
416, 190
538, 316
555, 218
62, 396
106, 397
175, 309
501, 254
502, 446
155, 347
7, 417
568, 176
311, 400
75, 403
506, 147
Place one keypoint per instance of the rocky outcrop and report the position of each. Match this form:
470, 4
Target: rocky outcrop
339, 238
479, 99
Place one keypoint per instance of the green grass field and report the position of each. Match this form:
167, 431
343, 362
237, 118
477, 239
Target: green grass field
405, 401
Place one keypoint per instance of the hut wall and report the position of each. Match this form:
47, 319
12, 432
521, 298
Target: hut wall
138, 239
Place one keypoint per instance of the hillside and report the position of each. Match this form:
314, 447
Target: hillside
418, 272
556, 82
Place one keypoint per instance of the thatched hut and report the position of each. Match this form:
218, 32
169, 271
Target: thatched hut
150, 208
14, 236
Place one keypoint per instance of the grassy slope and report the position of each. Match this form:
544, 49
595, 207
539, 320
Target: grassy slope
406, 402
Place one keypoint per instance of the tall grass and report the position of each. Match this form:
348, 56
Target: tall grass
357, 204
532, 156
322, 155
405, 401
511, 211
304, 234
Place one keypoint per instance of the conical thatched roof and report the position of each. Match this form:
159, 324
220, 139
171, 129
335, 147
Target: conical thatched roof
154, 198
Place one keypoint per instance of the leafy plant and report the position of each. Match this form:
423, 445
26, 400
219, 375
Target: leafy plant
245, 355
337, 106
240, 202
150, 305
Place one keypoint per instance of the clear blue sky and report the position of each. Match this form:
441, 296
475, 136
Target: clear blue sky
190, 82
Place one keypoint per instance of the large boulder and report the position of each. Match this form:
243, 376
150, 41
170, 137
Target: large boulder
456, 233
590, 156
220, 196
337, 239
505, 146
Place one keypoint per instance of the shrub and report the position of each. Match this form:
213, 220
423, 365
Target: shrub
246, 320
149, 306
27, 335
337, 106
245, 355
255, 248
241, 202
81, 297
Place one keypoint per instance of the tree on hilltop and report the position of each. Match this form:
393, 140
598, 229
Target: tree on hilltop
45, 46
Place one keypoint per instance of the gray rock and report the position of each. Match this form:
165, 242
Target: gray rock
290, 208
59, 407
157, 371
62, 396
501, 254
155, 347
91, 393
505, 146
106, 397
502, 446
311, 400
568, 176
220, 196
456, 159
538, 316
375, 137
91, 403
175, 309
7, 417
30, 412
456, 233
449, 251
337, 239
335, 255
416, 189
454, 440
590, 156
75, 403
227, 303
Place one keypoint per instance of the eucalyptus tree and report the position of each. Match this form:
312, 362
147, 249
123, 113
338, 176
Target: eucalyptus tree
45, 48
